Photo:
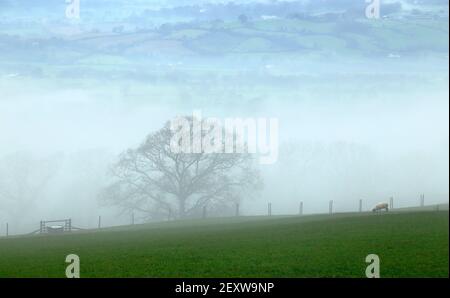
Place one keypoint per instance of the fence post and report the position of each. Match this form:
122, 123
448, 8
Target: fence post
7, 229
269, 209
300, 211
331, 207
204, 212
360, 206
237, 209
99, 221
169, 216
422, 200
392, 202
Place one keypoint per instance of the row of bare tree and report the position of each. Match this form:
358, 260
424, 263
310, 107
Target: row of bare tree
155, 183
150, 180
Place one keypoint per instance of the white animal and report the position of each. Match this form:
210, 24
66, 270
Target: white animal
381, 206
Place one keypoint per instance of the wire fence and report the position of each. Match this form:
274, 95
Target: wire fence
6, 229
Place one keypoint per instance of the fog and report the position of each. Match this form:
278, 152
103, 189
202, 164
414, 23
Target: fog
351, 126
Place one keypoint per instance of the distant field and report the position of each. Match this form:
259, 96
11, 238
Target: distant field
409, 244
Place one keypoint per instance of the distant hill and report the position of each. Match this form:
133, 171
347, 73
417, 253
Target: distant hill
122, 34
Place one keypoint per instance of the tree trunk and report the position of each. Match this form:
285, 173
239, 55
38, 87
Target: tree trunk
182, 207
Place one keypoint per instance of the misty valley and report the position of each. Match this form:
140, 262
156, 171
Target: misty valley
224, 139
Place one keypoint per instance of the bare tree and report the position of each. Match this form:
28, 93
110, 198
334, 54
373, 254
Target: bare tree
23, 180
156, 181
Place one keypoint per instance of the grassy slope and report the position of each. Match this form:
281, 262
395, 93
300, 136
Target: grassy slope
409, 245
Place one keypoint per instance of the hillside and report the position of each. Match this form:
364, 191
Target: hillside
409, 245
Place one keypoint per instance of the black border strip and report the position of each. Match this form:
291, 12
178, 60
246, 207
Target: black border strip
283, 287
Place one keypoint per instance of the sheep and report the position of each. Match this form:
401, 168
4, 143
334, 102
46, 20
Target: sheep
381, 206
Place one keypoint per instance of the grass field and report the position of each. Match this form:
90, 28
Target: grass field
409, 244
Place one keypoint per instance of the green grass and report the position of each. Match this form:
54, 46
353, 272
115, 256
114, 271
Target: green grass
409, 244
